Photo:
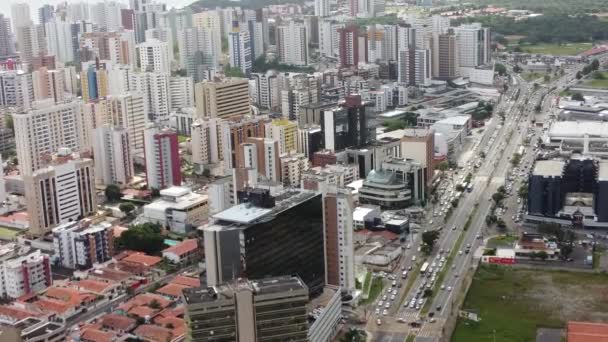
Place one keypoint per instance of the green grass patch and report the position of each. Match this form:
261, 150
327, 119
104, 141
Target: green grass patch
182, 138
7, 233
513, 302
367, 282
568, 49
410, 338
502, 241
374, 291
598, 83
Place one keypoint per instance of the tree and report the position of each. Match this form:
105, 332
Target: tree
427, 293
516, 159
126, 207
455, 202
500, 69
537, 108
517, 68
443, 166
154, 304
155, 192
578, 97
233, 72
522, 192
354, 335
459, 188
579, 75
113, 193
542, 255
498, 197
595, 64
429, 237
144, 237
394, 124
546, 78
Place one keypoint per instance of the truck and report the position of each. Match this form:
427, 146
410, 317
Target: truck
424, 267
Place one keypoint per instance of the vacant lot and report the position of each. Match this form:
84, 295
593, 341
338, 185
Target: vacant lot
514, 302
7, 233
558, 50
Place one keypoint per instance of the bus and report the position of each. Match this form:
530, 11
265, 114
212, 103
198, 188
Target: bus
424, 267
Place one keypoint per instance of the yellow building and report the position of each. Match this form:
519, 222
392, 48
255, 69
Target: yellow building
285, 132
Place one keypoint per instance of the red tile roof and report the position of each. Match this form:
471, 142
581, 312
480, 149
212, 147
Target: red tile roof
178, 324
17, 313
142, 311
110, 274
117, 322
145, 299
94, 286
153, 333
183, 248
95, 335
176, 312
53, 305
172, 290
187, 281
587, 332
143, 259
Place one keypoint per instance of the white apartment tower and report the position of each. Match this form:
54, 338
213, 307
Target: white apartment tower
113, 159
59, 40
322, 8
23, 270
292, 44
154, 56
60, 193
45, 129
338, 207
240, 50
473, 45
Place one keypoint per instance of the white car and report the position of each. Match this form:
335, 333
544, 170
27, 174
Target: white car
385, 312
377, 311
449, 288
379, 321
443, 287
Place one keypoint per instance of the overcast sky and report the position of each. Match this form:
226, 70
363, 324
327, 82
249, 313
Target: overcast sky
5, 6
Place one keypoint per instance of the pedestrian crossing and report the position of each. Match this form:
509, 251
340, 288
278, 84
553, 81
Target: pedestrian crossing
409, 315
431, 329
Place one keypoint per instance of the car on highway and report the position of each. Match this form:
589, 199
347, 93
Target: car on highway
443, 287
449, 288
385, 312
380, 303
377, 311
387, 305
379, 321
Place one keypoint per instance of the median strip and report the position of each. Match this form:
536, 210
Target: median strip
448, 263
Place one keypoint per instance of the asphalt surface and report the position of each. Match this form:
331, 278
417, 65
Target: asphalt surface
499, 142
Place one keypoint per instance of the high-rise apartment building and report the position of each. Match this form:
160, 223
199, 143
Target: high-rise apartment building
113, 158
16, 89
164, 35
154, 56
284, 132
45, 13
60, 193
348, 125
20, 15
31, 42
445, 56
422, 68
257, 157
49, 84
266, 90
129, 112
338, 207
197, 51
154, 86
94, 83
223, 99
240, 50
43, 130
161, 152
211, 21
249, 310
181, 92
292, 44
473, 45
322, 8
23, 270
59, 40
352, 46
6, 40
80, 247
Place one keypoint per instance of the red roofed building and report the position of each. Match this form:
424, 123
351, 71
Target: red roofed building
153, 333
177, 325
14, 313
144, 299
94, 335
95, 286
118, 323
187, 281
587, 332
182, 252
142, 259
142, 311
172, 290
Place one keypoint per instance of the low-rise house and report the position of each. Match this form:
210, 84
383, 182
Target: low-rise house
182, 252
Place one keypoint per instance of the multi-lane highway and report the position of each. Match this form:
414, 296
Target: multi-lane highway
500, 141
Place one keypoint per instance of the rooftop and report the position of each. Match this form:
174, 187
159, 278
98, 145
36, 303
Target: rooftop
175, 191
587, 332
177, 200
360, 212
455, 120
549, 168
227, 290
183, 247
578, 129
603, 171
143, 259
117, 322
